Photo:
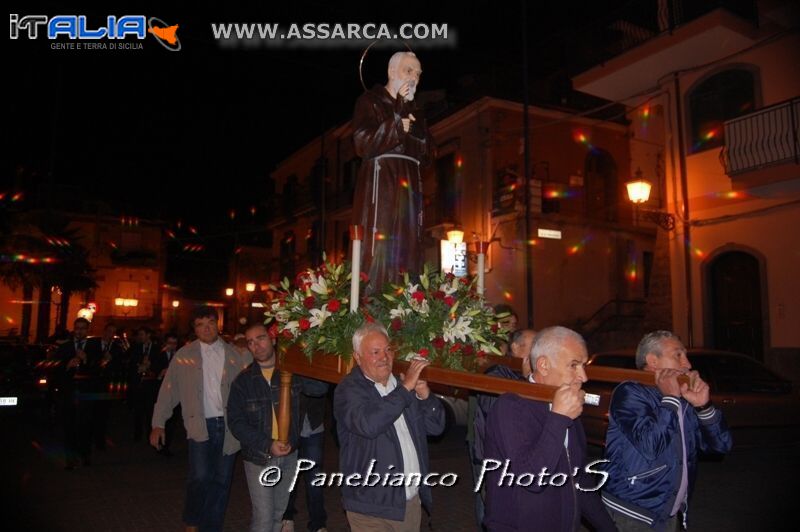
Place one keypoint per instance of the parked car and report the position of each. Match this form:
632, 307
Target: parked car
19, 386
759, 406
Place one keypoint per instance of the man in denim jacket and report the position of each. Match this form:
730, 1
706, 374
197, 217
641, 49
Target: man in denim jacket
252, 408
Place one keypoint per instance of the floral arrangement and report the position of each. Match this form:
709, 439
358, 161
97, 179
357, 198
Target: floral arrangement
441, 317
315, 312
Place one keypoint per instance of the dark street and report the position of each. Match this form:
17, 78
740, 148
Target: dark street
131, 488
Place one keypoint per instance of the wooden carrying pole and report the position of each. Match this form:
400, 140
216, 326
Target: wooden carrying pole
285, 407
332, 368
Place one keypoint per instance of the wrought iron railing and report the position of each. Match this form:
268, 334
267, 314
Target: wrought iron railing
767, 137
642, 20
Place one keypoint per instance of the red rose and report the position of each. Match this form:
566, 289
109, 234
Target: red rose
464, 280
438, 342
455, 347
481, 354
449, 301
438, 294
304, 324
468, 350
309, 302
494, 327
369, 318
449, 276
287, 333
273, 331
334, 305
424, 352
418, 296
397, 324
301, 280
364, 277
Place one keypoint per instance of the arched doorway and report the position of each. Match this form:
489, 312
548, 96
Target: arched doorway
736, 303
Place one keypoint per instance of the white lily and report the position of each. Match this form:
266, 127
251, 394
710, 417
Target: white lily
318, 316
282, 316
422, 308
449, 288
457, 329
399, 312
293, 326
320, 286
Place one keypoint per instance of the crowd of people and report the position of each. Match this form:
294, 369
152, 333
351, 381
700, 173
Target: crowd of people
228, 397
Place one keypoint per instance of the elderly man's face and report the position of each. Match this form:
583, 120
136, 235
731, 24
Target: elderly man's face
522, 347
567, 366
673, 356
375, 357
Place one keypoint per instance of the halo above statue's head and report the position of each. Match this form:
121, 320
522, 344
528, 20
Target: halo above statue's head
364, 56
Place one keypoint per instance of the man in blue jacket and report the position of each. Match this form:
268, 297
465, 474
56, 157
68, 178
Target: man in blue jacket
538, 475
654, 434
382, 425
252, 417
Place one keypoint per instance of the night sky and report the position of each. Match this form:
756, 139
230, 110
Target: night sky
191, 134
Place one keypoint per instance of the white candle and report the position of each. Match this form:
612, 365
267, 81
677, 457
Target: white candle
355, 275
481, 272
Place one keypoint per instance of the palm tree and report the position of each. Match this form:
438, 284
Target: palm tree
37, 235
74, 274
71, 272
16, 240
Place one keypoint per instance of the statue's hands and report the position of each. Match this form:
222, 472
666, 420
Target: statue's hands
404, 89
407, 122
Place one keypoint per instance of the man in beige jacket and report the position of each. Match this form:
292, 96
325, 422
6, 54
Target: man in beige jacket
200, 380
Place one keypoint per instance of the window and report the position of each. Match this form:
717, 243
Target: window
723, 96
287, 258
446, 188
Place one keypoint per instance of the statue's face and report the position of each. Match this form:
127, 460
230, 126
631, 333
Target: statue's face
408, 70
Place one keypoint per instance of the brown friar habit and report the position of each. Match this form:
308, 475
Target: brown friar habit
388, 196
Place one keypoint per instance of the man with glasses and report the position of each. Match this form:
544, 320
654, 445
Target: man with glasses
200, 380
382, 425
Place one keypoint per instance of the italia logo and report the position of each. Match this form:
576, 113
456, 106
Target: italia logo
76, 27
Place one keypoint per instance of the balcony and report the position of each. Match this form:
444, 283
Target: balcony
766, 138
639, 22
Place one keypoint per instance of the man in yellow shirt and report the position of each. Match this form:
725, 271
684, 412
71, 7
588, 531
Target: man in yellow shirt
252, 407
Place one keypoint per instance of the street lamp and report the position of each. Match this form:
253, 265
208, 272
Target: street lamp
250, 287
455, 235
638, 193
229, 292
176, 303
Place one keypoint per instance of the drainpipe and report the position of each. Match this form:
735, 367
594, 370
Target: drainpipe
687, 255
526, 169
